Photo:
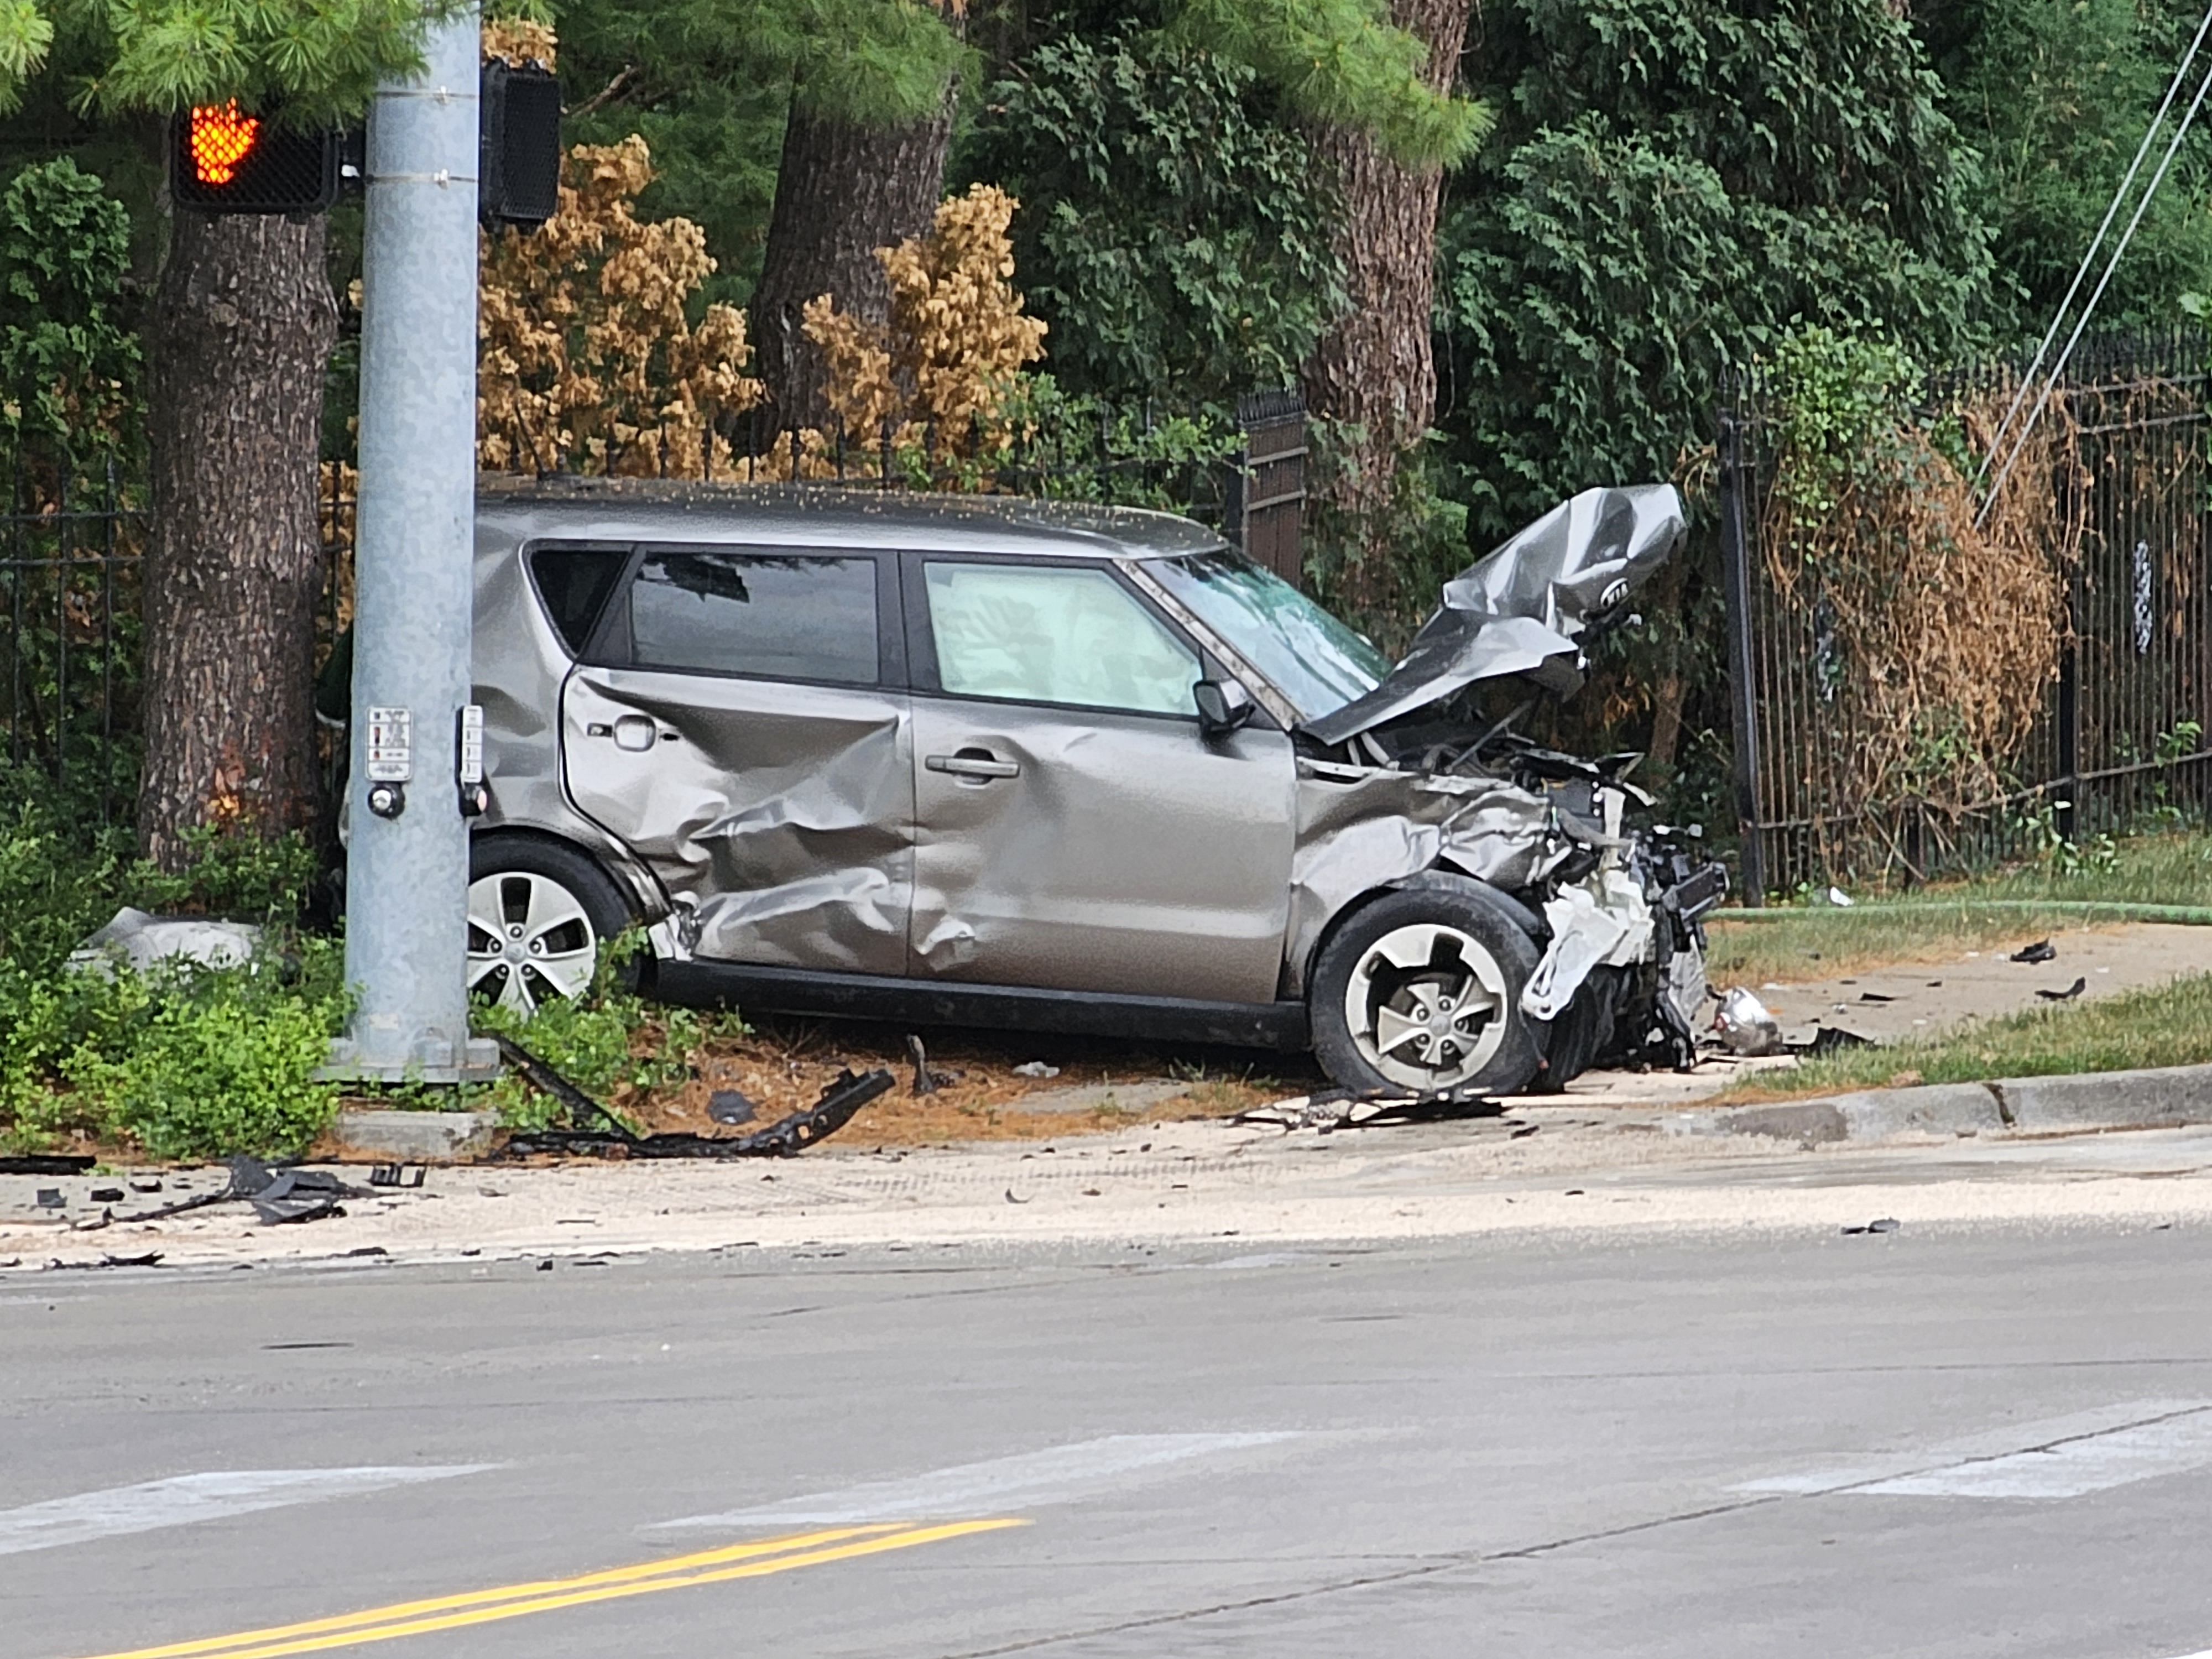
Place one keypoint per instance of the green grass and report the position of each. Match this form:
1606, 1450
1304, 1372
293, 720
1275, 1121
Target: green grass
1933, 923
2160, 1025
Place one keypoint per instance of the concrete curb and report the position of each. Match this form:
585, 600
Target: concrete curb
2030, 1105
411, 1137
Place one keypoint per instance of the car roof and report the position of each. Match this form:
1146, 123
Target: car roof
647, 509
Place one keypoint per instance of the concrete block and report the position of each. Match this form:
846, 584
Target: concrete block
2110, 1100
412, 1137
1931, 1108
1926, 1109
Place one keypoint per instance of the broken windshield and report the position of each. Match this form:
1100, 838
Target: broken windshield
1317, 662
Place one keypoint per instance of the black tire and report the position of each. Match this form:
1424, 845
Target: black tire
525, 960
1468, 977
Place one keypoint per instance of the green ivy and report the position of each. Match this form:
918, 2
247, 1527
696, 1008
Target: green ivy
1174, 237
68, 368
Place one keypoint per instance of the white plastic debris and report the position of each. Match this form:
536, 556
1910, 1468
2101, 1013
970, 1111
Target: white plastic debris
1605, 920
136, 941
1838, 895
1036, 1068
1744, 1025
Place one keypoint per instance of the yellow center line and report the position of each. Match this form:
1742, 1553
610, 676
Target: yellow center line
512, 1602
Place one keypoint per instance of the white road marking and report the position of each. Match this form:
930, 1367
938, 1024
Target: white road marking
2094, 1463
973, 1489
2058, 1457
182, 1500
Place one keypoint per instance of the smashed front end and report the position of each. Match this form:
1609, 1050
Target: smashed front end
1424, 781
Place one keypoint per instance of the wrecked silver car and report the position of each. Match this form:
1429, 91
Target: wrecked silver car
1041, 766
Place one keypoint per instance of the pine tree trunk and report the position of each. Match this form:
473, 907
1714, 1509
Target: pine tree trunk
842, 191
244, 325
1373, 371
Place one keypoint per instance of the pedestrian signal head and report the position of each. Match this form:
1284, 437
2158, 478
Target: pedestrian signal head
225, 159
218, 138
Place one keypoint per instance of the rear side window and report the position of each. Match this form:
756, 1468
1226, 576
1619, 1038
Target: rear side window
777, 616
575, 583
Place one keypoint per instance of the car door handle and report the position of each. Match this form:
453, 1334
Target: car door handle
632, 731
976, 763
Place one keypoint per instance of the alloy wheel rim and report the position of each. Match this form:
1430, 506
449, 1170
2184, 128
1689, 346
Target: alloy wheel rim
1427, 1006
530, 941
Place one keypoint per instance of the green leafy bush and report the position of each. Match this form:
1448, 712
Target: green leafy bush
212, 1061
188, 1062
605, 1042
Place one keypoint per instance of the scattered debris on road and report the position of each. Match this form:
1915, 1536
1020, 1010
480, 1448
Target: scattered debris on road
397, 1174
1888, 1224
1036, 1068
1330, 1109
46, 1164
1746, 1027
151, 1258
2041, 950
2066, 995
279, 1197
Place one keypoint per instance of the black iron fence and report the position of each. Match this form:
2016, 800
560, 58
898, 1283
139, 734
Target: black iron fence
71, 547
70, 539
2116, 737
1250, 485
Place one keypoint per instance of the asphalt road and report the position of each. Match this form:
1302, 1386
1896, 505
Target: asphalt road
1954, 1442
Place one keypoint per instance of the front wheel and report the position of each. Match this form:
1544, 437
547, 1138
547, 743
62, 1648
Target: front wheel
538, 914
1421, 991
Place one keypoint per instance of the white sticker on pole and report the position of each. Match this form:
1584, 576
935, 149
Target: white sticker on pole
472, 744
391, 746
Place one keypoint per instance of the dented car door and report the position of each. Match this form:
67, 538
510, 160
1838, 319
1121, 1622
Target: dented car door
1074, 830
741, 722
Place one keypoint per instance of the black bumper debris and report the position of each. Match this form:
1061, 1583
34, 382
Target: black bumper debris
786, 1138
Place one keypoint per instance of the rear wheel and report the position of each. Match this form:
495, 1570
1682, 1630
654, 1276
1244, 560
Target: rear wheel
538, 914
1421, 991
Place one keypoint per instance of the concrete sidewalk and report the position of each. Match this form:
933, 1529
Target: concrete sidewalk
1554, 1169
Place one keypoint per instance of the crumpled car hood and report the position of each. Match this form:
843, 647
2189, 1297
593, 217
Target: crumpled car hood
1522, 609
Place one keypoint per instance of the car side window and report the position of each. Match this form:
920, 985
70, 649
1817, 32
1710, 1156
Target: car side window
575, 583
1054, 634
774, 616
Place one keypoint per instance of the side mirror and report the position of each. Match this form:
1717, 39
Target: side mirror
1223, 706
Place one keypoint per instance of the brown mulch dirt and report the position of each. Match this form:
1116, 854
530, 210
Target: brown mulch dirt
783, 1068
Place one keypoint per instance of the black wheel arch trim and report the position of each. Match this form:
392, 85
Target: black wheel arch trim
1450, 881
649, 904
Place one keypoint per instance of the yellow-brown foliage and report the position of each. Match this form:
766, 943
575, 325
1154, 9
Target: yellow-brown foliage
587, 361
956, 338
519, 41
1947, 630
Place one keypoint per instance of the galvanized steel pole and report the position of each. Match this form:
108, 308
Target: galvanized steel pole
407, 858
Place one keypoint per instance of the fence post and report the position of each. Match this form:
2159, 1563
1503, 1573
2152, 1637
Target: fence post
1267, 495
1236, 491
2069, 709
1735, 566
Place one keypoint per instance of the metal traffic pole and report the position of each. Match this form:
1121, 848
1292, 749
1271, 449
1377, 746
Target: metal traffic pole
408, 851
